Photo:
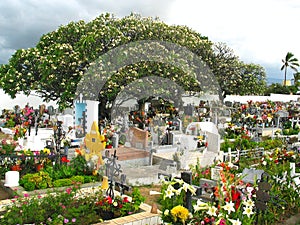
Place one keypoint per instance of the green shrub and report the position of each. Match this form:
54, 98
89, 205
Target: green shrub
40, 180
62, 182
77, 179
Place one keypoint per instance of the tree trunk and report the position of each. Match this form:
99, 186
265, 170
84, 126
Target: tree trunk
284, 84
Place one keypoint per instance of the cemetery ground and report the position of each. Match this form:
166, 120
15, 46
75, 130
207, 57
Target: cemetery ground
277, 193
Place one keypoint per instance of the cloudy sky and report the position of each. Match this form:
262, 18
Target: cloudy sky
259, 31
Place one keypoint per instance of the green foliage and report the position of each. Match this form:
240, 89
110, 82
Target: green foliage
62, 182
79, 165
284, 192
10, 123
277, 89
61, 208
77, 179
244, 144
40, 180
199, 172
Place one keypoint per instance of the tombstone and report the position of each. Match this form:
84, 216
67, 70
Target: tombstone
227, 113
17, 109
50, 110
228, 103
177, 124
262, 194
138, 138
189, 110
94, 144
115, 140
215, 173
283, 113
252, 110
252, 175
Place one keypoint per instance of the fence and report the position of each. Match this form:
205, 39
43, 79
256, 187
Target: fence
237, 154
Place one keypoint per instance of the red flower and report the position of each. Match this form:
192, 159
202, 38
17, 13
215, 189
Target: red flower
125, 199
236, 197
64, 159
108, 200
206, 220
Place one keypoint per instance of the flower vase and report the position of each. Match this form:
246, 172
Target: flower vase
21, 141
66, 150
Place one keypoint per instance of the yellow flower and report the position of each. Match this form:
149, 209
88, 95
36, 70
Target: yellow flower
46, 151
180, 212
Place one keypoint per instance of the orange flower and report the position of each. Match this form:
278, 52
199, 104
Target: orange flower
77, 150
216, 192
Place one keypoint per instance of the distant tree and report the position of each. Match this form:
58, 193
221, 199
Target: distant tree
297, 80
235, 76
277, 88
224, 66
289, 61
253, 79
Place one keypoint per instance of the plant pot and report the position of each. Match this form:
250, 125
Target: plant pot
16, 168
38, 167
106, 215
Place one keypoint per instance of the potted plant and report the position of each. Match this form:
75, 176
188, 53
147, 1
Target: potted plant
16, 166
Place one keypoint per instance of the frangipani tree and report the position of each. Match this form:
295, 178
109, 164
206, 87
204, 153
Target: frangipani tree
61, 59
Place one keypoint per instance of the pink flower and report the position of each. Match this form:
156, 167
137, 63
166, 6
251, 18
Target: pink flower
26, 195
222, 222
69, 190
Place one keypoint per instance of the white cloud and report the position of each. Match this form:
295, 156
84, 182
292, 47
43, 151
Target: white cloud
258, 31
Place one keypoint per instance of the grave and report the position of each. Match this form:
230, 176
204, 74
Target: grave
94, 142
85, 113
137, 138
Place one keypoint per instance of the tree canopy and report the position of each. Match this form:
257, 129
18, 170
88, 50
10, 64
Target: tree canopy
59, 61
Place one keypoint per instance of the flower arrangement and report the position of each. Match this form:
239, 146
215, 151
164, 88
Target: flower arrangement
28, 114
8, 146
66, 142
233, 202
59, 208
201, 141
19, 131
119, 205
68, 206
42, 156
172, 201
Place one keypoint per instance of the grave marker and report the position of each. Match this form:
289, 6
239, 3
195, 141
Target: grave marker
95, 144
